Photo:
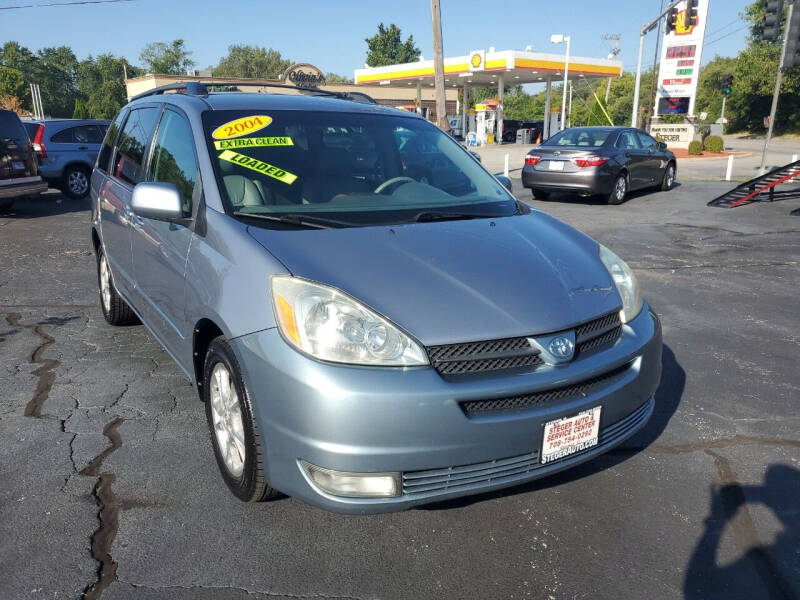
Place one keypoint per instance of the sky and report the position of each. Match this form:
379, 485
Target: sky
330, 34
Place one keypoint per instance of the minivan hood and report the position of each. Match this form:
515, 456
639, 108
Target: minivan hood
458, 281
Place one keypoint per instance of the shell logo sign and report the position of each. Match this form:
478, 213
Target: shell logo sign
681, 28
477, 60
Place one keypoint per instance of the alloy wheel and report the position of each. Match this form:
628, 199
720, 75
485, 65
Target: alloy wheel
105, 283
620, 188
227, 419
78, 183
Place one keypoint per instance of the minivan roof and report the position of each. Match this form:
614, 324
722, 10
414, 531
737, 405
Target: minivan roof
258, 101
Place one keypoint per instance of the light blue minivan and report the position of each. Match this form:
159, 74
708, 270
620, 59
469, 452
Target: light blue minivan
372, 320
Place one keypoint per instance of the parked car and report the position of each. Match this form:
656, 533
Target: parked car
607, 161
367, 335
67, 149
18, 169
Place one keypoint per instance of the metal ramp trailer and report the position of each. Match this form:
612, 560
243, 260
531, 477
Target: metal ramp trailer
762, 189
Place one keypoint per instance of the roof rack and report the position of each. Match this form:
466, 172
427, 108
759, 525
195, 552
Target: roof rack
197, 88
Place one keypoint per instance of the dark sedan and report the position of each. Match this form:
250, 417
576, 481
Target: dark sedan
606, 161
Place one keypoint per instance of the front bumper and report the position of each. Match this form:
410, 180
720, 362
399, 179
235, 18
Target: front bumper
25, 186
589, 180
372, 420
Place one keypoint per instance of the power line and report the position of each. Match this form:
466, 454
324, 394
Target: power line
48, 4
716, 31
722, 37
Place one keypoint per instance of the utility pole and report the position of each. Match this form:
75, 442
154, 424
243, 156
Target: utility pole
656, 75
776, 93
438, 66
611, 56
642, 32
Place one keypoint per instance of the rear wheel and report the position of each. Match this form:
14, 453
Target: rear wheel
669, 178
75, 183
540, 194
618, 191
115, 310
234, 431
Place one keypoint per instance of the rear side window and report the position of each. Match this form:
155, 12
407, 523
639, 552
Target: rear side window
11, 127
108, 142
174, 159
83, 134
628, 141
647, 141
133, 143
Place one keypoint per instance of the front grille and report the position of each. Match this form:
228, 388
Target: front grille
517, 352
477, 357
435, 482
478, 408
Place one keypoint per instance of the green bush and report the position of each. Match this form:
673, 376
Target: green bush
695, 147
713, 143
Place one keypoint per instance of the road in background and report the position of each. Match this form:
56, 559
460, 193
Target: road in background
108, 473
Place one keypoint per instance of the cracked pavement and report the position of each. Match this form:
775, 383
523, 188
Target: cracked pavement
110, 489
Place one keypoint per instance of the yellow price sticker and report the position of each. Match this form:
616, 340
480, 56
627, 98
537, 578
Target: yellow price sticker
252, 142
259, 166
240, 127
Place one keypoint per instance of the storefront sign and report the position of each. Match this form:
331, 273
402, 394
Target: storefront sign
677, 136
477, 60
304, 75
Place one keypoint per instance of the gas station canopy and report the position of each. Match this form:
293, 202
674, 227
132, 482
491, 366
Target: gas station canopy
484, 68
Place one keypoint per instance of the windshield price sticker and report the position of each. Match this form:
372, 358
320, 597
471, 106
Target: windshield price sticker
570, 435
240, 127
254, 141
259, 166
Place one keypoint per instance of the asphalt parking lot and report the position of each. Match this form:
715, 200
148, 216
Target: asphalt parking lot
110, 488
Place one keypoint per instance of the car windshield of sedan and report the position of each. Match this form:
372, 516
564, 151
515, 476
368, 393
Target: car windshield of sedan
589, 138
354, 167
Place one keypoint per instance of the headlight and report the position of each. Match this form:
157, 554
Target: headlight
626, 283
330, 325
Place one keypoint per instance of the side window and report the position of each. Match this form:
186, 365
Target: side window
65, 136
108, 142
627, 141
647, 141
87, 134
133, 143
174, 159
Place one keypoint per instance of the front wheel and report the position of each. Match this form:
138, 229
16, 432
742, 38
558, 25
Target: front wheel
115, 310
618, 191
234, 431
669, 178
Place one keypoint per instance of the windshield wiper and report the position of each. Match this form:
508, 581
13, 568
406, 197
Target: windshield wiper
433, 215
300, 220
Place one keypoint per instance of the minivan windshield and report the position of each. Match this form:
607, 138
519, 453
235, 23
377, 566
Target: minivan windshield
587, 137
346, 168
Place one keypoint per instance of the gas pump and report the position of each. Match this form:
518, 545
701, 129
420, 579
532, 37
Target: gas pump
485, 119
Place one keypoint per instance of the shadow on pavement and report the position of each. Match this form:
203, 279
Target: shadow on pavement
46, 205
599, 200
668, 397
706, 580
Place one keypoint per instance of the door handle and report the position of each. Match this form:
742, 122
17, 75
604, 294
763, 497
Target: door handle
83, 147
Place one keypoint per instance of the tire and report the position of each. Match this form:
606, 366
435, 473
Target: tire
618, 191
669, 177
540, 194
231, 422
75, 182
6, 206
115, 310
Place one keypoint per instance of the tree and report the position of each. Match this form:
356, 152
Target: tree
80, 110
253, 62
12, 103
334, 78
167, 59
11, 81
387, 48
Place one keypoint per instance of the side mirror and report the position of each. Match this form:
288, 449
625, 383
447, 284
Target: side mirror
506, 182
662, 146
160, 201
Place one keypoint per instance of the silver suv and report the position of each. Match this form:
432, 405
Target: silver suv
372, 320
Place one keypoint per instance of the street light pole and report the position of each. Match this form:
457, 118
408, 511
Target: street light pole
566, 81
777, 91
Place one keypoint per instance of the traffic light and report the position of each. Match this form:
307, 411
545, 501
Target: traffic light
772, 21
727, 84
792, 58
672, 19
691, 12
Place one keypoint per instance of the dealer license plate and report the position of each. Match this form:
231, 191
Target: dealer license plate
17, 165
556, 165
570, 435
